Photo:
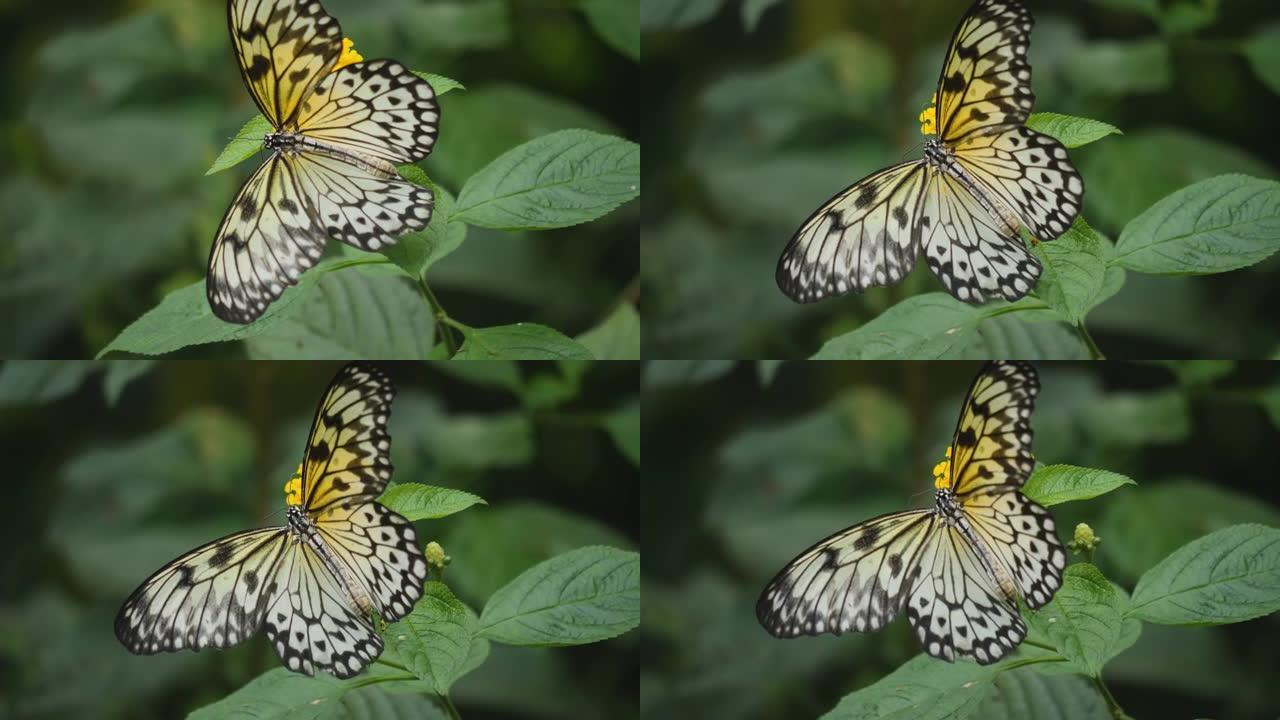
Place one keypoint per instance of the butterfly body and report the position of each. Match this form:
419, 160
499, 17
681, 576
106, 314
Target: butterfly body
957, 568
340, 129
983, 176
314, 582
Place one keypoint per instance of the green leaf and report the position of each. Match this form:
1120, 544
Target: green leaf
183, 318
558, 180
936, 325
417, 252
1055, 484
1263, 52
1074, 268
615, 21
440, 83
1029, 694
435, 640
921, 688
350, 315
1085, 618
1228, 576
623, 426
119, 374
416, 501
582, 596
280, 694
617, 337
512, 537
245, 144
522, 341
33, 382
1071, 131
1220, 224
1144, 524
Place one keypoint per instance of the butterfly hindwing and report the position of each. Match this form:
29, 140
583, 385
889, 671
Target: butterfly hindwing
1023, 536
1028, 172
360, 206
956, 608
284, 48
313, 622
382, 549
375, 109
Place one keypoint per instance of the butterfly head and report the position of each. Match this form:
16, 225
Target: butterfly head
942, 473
293, 488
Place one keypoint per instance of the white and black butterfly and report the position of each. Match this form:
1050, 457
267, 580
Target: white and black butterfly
983, 175
314, 582
956, 568
340, 130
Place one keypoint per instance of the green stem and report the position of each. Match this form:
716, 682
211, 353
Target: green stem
449, 706
1094, 352
442, 318
1116, 711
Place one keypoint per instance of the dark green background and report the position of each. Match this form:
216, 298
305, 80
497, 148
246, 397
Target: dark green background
749, 464
101, 495
111, 112
747, 132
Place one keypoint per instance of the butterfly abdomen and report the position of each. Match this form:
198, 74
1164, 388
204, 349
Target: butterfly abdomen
286, 142
305, 530
943, 159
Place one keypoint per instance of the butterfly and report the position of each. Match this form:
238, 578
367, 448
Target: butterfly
958, 567
983, 175
313, 582
339, 131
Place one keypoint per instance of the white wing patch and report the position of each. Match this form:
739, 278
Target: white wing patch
382, 547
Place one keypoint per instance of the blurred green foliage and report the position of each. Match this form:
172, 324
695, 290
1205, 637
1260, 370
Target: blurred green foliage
121, 466
761, 110
751, 463
113, 112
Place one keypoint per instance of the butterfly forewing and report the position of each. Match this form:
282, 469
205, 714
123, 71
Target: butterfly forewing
985, 82
855, 580
992, 442
348, 455
861, 238
268, 237
284, 48
213, 596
